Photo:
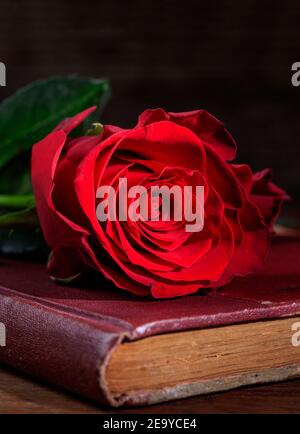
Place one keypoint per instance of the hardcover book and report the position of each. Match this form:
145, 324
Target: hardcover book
119, 349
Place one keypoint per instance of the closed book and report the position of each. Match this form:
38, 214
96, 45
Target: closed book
119, 349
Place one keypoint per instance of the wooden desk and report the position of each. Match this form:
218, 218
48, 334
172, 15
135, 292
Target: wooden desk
21, 394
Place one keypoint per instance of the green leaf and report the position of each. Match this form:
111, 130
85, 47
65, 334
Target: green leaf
25, 118
24, 218
31, 113
16, 201
15, 175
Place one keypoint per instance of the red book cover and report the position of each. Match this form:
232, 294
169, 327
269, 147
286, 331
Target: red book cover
66, 335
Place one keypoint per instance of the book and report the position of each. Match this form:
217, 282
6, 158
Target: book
119, 349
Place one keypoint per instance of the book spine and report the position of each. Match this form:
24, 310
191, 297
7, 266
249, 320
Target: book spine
63, 348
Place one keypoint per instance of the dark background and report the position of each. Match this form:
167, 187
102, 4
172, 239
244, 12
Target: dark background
233, 58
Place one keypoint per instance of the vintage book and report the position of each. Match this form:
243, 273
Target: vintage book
118, 349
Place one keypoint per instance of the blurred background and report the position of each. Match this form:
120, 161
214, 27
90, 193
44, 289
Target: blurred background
233, 58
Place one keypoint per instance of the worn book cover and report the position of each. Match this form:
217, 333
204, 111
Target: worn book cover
70, 336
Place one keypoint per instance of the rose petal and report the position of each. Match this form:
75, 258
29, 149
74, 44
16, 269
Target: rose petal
267, 196
208, 128
69, 124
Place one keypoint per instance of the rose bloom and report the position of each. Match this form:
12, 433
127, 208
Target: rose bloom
158, 258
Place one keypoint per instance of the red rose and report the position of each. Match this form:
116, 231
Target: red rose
147, 257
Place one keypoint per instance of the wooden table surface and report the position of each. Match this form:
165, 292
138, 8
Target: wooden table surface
21, 394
